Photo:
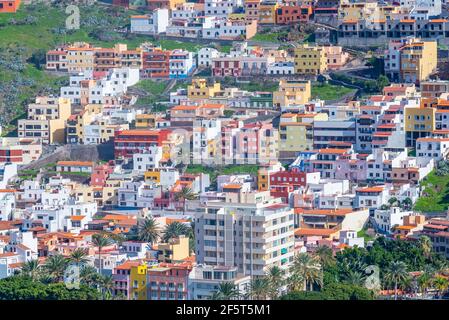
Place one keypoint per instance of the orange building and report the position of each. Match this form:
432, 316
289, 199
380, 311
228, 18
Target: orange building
10, 6
288, 14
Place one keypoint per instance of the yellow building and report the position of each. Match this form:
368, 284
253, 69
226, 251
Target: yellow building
418, 60
267, 12
145, 121
419, 122
292, 92
80, 57
358, 11
263, 175
199, 89
310, 60
138, 282
175, 250
46, 119
296, 133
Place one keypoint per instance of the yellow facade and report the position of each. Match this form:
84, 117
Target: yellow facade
418, 60
310, 60
145, 121
296, 131
292, 92
153, 175
359, 10
199, 89
267, 13
419, 122
175, 250
138, 281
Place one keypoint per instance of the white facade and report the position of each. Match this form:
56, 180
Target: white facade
153, 23
387, 219
251, 237
148, 159
205, 56
281, 68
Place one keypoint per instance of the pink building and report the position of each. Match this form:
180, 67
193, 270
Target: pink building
100, 174
256, 143
336, 58
168, 281
121, 277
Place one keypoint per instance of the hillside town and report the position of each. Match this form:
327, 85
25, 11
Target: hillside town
238, 171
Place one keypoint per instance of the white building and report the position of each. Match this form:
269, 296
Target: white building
350, 238
153, 23
7, 171
431, 148
250, 236
148, 159
387, 219
205, 56
181, 63
204, 281
281, 68
7, 204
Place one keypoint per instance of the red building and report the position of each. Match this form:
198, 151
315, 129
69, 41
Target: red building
284, 182
9, 6
169, 281
293, 14
100, 174
227, 66
155, 63
128, 142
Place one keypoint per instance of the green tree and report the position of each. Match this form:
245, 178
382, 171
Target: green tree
79, 256
441, 284
89, 275
396, 273
426, 245
106, 283
226, 291
148, 230
32, 269
259, 288
100, 241
55, 266
186, 194
275, 276
308, 269
324, 255
174, 230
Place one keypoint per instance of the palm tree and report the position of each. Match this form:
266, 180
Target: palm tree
259, 288
55, 266
89, 275
174, 230
295, 282
396, 273
100, 241
226, 291
424, 282
79, 256
308, 269
148, 230
106, 285
426, 245
325, 255
32, 269
354, 277
275, 277
185, 194
441, 284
